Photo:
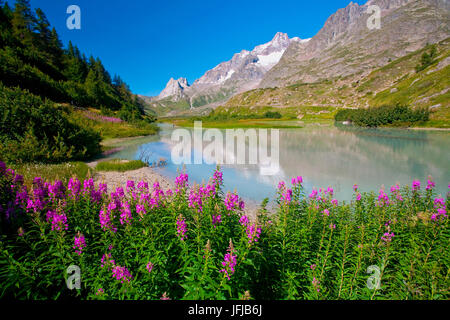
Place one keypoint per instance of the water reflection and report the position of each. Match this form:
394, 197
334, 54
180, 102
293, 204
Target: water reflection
325, 156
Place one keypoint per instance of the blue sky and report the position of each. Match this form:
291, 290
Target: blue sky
146, 42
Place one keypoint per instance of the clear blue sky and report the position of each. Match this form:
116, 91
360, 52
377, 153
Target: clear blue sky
146, 42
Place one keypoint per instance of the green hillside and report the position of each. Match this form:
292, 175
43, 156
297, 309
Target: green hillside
398, 82
38, 76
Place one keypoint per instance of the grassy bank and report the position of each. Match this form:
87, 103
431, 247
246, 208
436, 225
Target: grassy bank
52, 172
120, 165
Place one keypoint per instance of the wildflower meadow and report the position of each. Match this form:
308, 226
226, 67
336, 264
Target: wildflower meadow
195, 242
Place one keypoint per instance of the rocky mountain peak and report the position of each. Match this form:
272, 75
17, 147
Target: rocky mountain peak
174, 88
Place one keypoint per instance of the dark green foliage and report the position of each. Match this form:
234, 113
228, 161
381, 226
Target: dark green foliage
272, 115
382, 116
34, 130
427, 59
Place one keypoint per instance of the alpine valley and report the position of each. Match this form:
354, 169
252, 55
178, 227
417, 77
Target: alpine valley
346, 64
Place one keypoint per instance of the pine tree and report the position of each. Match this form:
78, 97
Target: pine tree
23, 22
42, 29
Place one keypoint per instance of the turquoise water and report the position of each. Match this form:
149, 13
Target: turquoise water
325, 156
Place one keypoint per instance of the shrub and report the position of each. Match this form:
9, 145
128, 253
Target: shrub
272, 115
384, 115
33, 130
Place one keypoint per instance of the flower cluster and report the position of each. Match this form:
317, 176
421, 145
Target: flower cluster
216, 219
383, 199
229, 262
286, 197
430, 184
217, 178
252, 230
181, 182
79, 243
297, 181
125, 213
439, 205
106, 216
121, 273
416, 185
181, 227
58, 221
232, 202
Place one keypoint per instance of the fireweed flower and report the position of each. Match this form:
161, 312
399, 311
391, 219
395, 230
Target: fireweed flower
229, 262
216, 219
217, 178
106, 260
120, 193
430, 184
297, 181
106, 217
22, 198
142, 186
244, 220
88, 186
253, 233
57, 190
281, 185
439, 205
181, 227
387, 237
140, 209
332, 226
313, 267
358, 197
355, 187
334, 202
315, 282
330, 191
383, 199
181, 182
233, 202
100, 291
149, 267
74, 188
130, 186
416, 185
326, 212
59, 221
103, 188
121, 273
195, 200
125, 213
286, 197
79, 243
313, 194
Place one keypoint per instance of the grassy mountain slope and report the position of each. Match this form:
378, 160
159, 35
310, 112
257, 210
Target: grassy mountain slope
396, 82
